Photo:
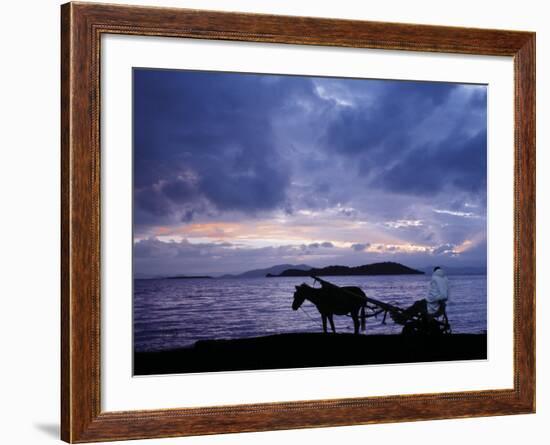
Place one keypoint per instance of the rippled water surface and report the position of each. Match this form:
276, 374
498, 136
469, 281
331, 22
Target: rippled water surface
174, 313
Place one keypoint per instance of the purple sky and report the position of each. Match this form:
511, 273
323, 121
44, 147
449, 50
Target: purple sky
238, 171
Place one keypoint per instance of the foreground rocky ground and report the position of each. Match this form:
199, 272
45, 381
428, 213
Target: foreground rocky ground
310, 350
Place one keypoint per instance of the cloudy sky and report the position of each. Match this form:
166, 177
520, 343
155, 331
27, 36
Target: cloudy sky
241, 171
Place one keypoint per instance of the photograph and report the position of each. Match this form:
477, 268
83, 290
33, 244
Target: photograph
289, 219
293, 221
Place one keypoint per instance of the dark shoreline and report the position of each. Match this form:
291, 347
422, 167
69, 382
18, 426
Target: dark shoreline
309, 350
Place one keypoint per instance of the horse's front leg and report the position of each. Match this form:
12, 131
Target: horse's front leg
355, 323
324, 318
331, 323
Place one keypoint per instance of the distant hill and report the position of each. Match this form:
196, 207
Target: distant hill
387, 268
142, 276
274, 270
187, 277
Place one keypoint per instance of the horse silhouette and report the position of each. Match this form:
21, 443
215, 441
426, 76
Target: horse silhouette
333, 300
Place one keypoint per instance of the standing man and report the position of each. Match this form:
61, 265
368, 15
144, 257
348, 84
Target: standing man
439, 293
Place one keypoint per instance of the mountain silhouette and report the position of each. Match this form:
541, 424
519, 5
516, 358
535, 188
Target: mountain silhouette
273, 270
386, 268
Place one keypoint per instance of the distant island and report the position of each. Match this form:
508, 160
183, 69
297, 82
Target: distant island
273, 270
187, 277
386, 268
303, 270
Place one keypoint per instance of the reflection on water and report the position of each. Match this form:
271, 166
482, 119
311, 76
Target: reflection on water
174, 313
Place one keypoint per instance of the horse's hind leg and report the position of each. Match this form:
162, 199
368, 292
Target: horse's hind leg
324, 318
331, 323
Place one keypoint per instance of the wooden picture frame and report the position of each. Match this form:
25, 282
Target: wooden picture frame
82, 25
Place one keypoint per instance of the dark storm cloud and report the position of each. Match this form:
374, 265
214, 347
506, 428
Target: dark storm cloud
210, 136
382, 137
387, 122
460, 164
201, 135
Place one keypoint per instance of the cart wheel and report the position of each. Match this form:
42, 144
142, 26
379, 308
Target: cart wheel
409, 329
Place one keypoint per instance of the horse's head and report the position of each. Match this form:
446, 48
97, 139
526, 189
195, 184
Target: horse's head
299, 296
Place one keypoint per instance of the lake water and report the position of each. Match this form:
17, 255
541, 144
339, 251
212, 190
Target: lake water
177, 312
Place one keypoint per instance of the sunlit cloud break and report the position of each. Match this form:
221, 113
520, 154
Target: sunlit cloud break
457, 213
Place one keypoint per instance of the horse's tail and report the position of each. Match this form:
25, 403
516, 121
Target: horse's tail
363, 316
